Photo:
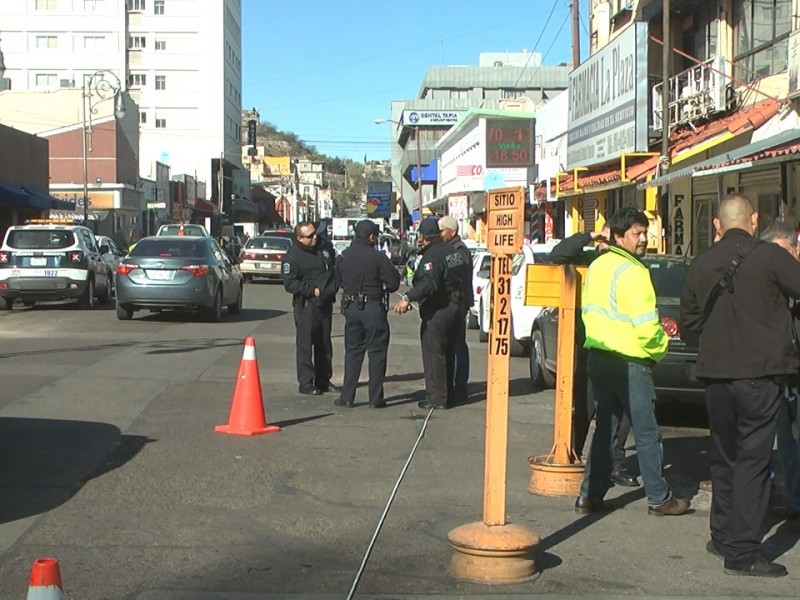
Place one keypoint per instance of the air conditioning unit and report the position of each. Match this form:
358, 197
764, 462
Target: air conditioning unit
66, 83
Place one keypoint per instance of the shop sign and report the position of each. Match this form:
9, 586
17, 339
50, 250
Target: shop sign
97, 200
457, 207
430, 118
608, 112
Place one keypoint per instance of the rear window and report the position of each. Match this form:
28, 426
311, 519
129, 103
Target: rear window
667, 277
40, 239
170, 248
269, 243
187, 230
279, 232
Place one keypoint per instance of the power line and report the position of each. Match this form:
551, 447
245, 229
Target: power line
536, 45
326, 100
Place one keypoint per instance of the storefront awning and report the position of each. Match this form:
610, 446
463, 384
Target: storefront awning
242, 205
51, 200
14, 195
70, 215
201, 205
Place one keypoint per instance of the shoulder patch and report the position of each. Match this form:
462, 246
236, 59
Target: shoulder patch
287, 267
428, 266
326, 254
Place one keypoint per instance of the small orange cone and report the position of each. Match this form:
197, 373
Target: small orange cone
247, 407
45, 580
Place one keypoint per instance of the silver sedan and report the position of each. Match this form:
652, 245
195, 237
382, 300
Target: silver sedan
178, 272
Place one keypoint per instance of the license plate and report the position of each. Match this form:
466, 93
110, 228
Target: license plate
51, 272
38, 262
159, 275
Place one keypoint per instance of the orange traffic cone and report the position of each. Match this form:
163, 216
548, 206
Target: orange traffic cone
247, 407
45, 580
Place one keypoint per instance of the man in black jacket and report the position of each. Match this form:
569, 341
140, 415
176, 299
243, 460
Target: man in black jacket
437, 288
448, 228
571, 252
746, 353
309, 275
367, 277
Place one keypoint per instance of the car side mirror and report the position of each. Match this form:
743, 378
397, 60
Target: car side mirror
104, 249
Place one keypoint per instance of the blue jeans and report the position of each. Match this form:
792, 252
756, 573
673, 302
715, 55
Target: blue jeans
789, 447
621, 387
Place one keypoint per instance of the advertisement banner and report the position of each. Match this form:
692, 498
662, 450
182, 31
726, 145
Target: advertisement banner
794, 64
430, 118
379, 199
608, 112
457, 207
278, 165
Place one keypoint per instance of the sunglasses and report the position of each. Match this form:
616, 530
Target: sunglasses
309, 236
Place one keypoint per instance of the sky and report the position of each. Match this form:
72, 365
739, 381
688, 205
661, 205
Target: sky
326, 70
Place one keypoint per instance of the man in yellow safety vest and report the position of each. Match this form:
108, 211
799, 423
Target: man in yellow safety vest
625, 340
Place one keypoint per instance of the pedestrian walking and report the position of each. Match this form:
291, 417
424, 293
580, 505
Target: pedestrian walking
309, 274
571, 251
737, 294
367, 277
448, 229
625, 340
438, 290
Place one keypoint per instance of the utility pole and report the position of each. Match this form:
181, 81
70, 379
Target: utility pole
666, 56
576, 35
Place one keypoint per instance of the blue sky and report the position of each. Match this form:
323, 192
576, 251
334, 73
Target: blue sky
326, 69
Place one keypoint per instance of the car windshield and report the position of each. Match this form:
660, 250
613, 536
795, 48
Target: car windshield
269, 243
667, 277
169, 248
191, 230
40, 239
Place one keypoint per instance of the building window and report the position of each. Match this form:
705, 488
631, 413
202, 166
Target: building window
46, 4
46, 42
136, 5
761, 34
161, 123
161, 45
93, 42
136, 42
161, 82
46, 80
142, 117
137, 80
158, 7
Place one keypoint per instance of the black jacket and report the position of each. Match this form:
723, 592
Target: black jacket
570, 250
464, 271
364, 270
305, 268
435, 284
749, 332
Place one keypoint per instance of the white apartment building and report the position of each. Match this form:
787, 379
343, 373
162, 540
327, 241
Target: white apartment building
181, 61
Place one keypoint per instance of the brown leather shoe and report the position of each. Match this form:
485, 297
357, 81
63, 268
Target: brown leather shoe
584, 506
672, 508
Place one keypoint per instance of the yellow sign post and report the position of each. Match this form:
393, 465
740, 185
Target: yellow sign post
493, 551
560, 472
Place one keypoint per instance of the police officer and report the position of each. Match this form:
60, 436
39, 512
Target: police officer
437, 288
309, 274
367, 277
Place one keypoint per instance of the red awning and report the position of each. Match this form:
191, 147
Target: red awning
204, 206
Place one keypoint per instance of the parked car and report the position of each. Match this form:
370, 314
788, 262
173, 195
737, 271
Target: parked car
111, 254
279, 232
262, 256
178, 272
674, 376
183, 229
481, 269
522, 317
52, 261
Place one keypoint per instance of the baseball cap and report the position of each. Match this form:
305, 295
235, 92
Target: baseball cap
429, 226
448, 222
366, 228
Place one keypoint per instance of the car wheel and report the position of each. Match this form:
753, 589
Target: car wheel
236, 307
124, 313
214, 312
536, 361
483, 336
472, 320
6, 303
106, 297
86, 302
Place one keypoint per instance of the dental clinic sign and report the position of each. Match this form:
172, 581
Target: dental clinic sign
607, 114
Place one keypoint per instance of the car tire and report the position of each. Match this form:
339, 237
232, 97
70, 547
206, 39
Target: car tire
214, 312
483, 336
236, 307
106, 297
124, 313
86, 301
472, 321
536, 362
6, 303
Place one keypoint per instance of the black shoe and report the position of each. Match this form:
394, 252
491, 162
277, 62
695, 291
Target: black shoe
760, 568
424, 404
312, 391
711, 548
624, 479
341, 402
378, 405
333, 389
584, 506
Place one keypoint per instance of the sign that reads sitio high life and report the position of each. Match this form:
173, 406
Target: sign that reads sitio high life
608, 112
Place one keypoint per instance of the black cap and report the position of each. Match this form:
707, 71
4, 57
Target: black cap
429, 226
366, 228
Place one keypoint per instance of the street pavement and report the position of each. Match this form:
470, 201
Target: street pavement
110, 463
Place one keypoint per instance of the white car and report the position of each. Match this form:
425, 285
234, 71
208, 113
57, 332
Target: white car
522, 317
481, 266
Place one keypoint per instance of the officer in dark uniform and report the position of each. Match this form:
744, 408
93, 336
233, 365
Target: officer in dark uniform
367, 277
309, 274
438, 289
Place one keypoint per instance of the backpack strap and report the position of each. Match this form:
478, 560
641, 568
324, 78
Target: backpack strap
728, 279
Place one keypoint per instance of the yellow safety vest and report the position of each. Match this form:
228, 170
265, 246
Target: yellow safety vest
619, 308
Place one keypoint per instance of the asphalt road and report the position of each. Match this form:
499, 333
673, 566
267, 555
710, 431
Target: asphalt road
109, 462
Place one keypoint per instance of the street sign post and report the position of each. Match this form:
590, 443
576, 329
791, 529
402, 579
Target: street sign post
493, 551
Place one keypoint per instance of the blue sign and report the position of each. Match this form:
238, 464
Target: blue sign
379, 199
493, 180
